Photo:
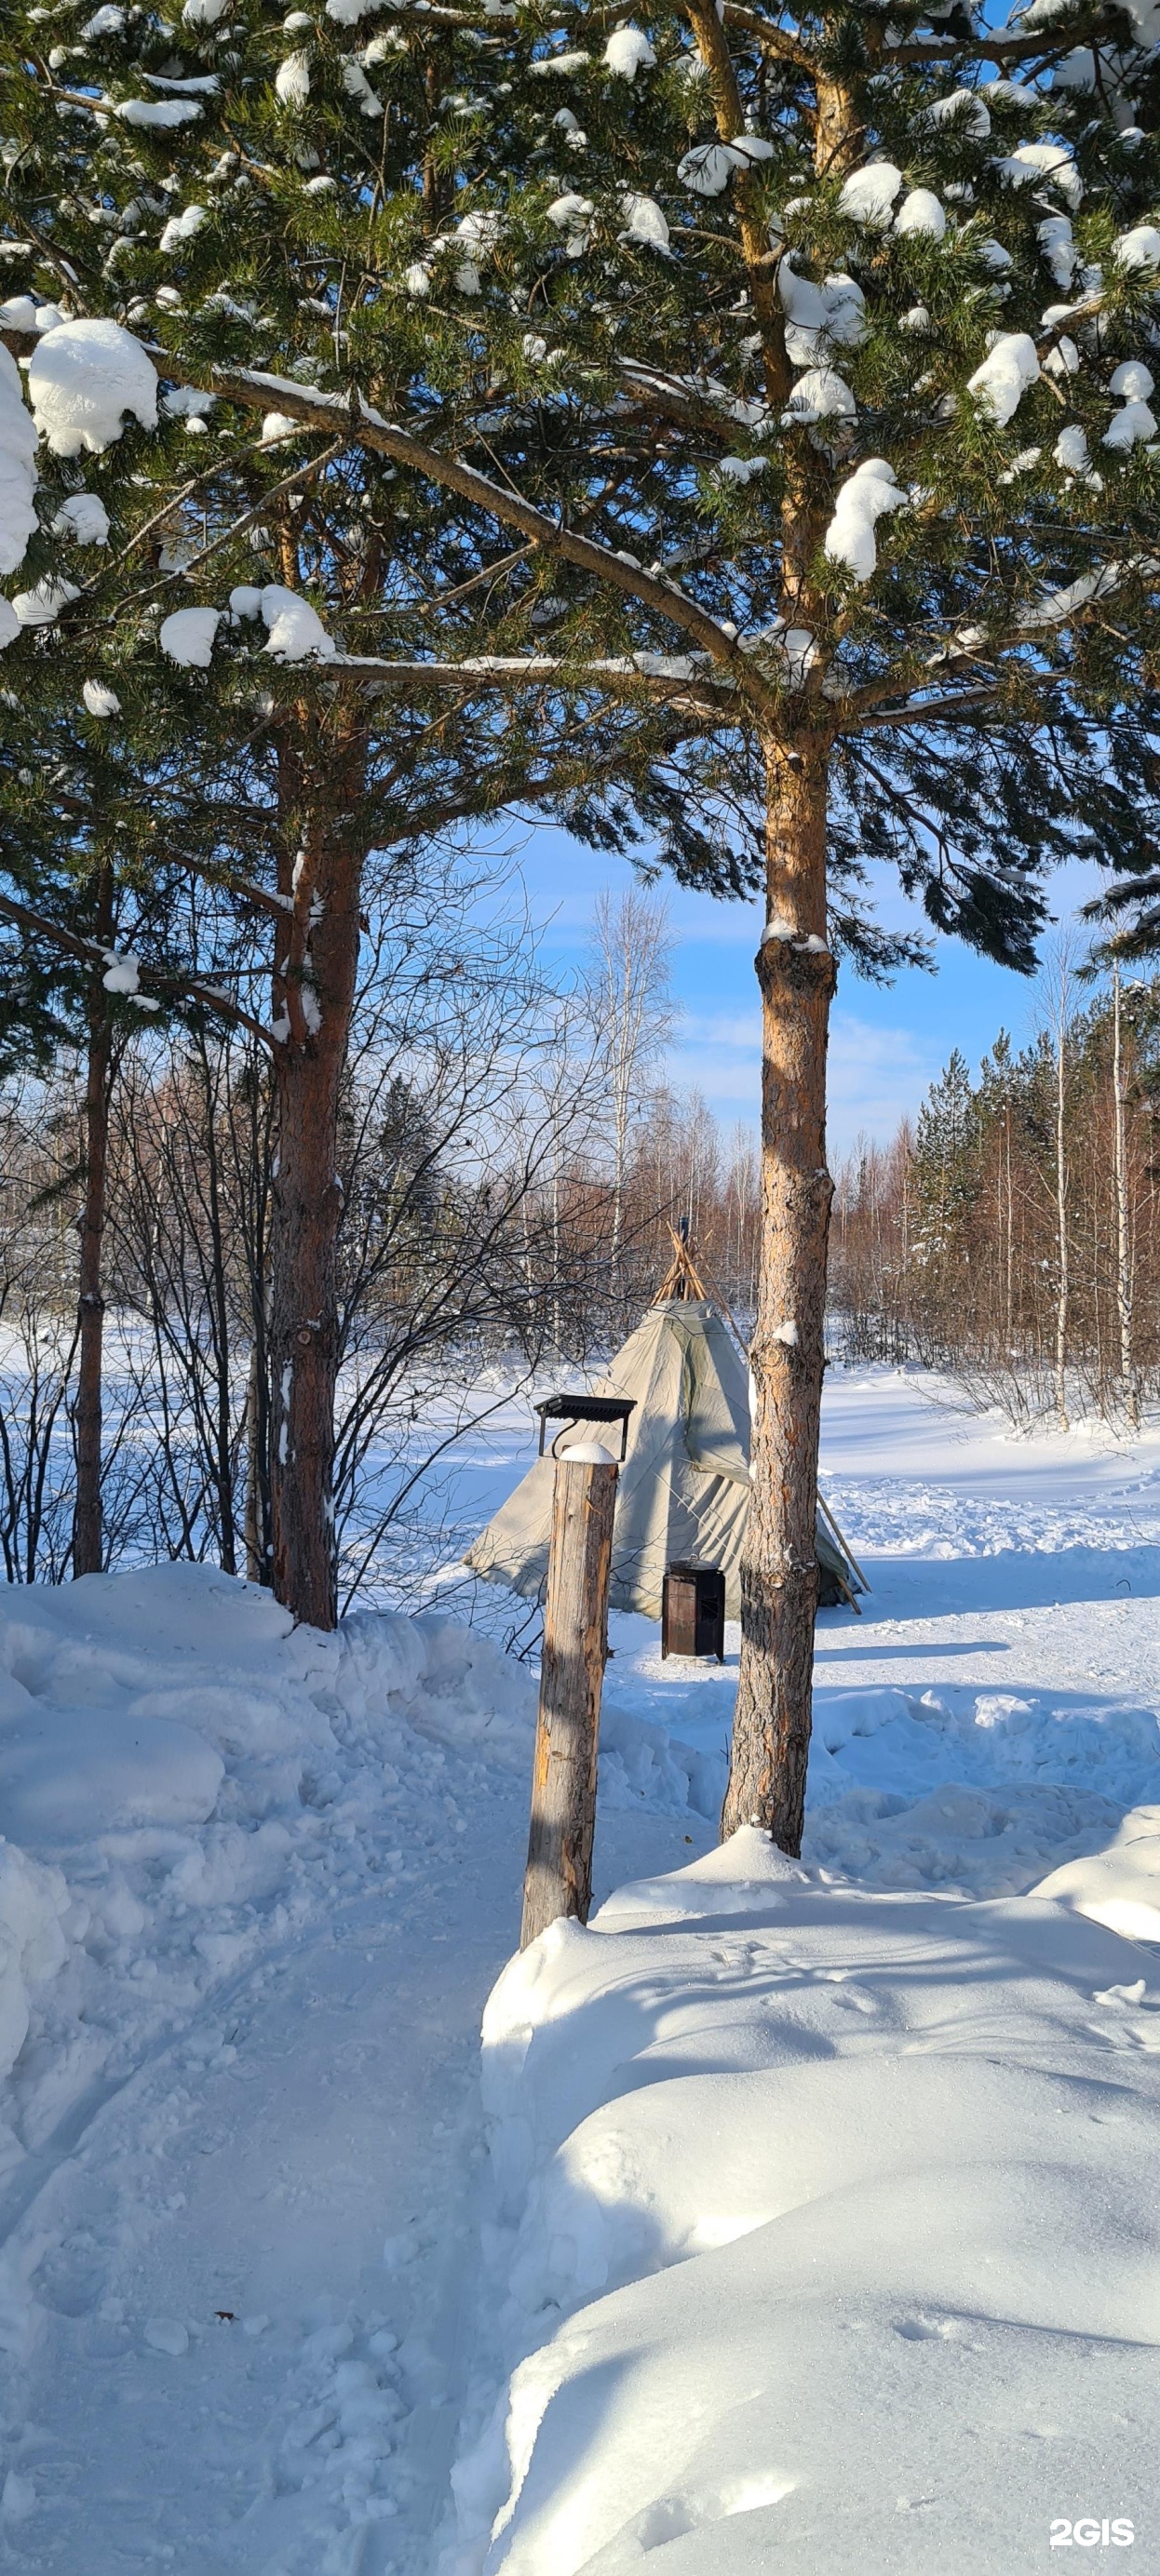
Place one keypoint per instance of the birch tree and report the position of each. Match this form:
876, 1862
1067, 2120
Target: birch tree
629, 1005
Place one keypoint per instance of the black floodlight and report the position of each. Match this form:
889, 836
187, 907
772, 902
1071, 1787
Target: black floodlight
573, 1409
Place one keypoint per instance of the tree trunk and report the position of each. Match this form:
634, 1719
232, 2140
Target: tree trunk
314, 982
88, 1533
1063, 1291
779, 1572
558, 1878
1123, 1228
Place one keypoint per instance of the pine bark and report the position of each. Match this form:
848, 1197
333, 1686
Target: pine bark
1128, 1385
779, 1572
88, 1518
314, 984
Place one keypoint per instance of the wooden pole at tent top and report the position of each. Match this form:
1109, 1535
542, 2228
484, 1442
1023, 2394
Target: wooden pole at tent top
558, 1878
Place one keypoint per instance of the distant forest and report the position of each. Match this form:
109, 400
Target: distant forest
1012, 1236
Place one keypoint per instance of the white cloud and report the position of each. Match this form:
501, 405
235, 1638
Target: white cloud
877, 1076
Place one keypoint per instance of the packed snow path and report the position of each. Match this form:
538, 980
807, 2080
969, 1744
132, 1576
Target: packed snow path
254, 1891
236, 2191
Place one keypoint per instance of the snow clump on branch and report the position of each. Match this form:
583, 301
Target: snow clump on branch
17, 469
296, 632
1133, 382
100, 701
871, 491
628, 52
707, 170
868, 195
921, 212
181, 228
644, 221
821, 394
157, 111
84, 518
187, 637
834, 312
83, 377
1139, 248
1010, 366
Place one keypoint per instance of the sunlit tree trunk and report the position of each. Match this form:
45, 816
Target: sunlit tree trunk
1063, 1272
779, 1573
1123, 1230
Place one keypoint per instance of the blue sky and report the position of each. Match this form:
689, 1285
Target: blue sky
886, 1046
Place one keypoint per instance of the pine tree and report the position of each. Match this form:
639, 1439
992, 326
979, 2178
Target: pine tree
790, 376
266, 755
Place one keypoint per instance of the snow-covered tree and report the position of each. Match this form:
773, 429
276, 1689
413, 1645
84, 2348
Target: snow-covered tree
782, 376
241, 605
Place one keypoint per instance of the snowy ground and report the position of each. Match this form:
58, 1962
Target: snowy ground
255, 2274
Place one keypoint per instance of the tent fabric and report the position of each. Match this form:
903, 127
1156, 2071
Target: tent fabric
684, 1485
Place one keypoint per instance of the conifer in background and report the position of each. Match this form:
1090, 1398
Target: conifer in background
791, 373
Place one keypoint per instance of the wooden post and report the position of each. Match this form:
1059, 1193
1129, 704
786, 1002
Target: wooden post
558, 1879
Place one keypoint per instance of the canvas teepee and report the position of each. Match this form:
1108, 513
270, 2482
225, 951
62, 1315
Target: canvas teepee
684, 1485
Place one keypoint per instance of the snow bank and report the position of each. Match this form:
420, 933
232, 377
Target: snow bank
1120, 1885
828, 2232
184, 1775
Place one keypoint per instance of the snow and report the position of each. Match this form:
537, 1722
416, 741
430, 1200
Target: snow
292, 84
156, 112
868, 195
1010, 366
966, 109
644, 221
820, 394
628, 52
1128, 426
825, 2231
357, 86
121, 969
707, 170
296, 632
187, 637
862, 501
1071, 449
17, 468
42, 606
181, 228
84, 518
816, 315
100, 701
921, 212
1054, 235
818, 2220
1133, 381
1139, 248
1044, 161
83, 377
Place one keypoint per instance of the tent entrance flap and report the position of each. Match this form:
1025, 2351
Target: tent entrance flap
684, 1484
